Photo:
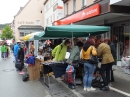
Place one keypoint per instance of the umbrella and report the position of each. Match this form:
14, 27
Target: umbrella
31, 36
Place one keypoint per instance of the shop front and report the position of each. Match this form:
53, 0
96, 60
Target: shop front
104, 13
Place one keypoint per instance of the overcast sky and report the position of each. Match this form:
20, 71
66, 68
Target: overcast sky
9, 8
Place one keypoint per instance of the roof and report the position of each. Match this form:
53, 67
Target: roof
45, 2
30, 26
21, 8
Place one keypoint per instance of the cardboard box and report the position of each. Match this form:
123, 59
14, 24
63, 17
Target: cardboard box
34, 71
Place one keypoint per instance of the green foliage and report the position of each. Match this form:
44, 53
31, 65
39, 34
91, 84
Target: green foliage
7, 33
3, 25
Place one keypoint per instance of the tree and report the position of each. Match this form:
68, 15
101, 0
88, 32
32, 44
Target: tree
7, 33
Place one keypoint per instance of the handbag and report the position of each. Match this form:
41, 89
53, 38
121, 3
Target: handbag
19, 65
96, 83
75, 63
93, 59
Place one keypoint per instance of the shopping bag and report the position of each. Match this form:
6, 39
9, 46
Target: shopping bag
69, 75
19, 65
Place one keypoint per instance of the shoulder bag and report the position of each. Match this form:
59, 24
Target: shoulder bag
93, 59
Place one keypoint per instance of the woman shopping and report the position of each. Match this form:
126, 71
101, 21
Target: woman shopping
87, 50
104, 52
74, 57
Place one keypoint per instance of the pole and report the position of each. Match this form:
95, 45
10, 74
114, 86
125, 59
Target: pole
72, 37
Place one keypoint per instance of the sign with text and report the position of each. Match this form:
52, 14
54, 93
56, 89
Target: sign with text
25, 22
84, 14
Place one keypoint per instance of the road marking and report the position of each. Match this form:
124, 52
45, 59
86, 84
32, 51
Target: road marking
119, 91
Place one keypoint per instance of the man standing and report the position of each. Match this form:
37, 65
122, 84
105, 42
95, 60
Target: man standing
16, 48
3, 51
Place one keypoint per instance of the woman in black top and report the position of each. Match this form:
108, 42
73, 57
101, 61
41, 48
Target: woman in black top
21, 58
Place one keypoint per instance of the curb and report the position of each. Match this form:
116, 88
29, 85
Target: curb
73, 91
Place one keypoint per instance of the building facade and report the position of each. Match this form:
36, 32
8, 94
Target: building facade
113, 13
53, 10
29, 19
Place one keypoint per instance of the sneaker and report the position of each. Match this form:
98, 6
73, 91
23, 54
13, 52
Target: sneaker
91, 89
59, 79
85, 89
105, 88
21, 72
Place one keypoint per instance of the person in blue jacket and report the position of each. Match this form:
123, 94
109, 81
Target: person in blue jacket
16, 48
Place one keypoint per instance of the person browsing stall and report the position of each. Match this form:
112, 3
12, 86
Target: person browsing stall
104, 52
59, 51
74, 58
113, 51
75, 53
88, 49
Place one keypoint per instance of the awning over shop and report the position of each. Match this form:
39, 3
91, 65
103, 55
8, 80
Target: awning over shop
74, 30
30, 28
104, 19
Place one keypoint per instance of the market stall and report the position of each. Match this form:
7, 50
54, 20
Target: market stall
68, 31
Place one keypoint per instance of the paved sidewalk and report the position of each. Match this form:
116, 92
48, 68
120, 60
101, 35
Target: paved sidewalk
11, 84
121, 83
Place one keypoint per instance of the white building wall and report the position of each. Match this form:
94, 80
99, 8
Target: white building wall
51, 15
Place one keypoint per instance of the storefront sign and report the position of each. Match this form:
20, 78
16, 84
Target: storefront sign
60, 13
84, 14
25, 22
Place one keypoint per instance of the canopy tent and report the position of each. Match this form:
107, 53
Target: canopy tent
68, 31
74, 30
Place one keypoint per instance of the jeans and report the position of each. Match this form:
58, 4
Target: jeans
88, 76
16, 58
106, 68
3, 54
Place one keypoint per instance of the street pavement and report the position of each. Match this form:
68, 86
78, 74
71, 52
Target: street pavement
11, 85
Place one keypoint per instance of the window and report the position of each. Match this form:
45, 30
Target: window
51, 18
46, 7
51, 2
21, 34
26, 34
74, 5
46, 21
37, 22
67, 5
54, 17
48, 4
83, 3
